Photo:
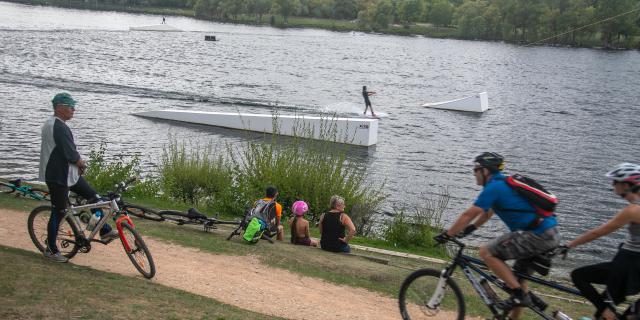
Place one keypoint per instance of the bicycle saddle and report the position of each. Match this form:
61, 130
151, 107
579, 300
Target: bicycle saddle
540, 264
192, 213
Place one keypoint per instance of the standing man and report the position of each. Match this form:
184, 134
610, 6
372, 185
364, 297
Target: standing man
163, 20
528, 235
367, 102
61, 168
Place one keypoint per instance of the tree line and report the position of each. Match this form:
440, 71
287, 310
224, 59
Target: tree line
522, 21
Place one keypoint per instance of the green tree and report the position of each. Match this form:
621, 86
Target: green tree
383, 14
470, 19
345, 9
285, 8
410, 10
232, 8
620, 26
258, 8
441, 13
321, 8
201, 9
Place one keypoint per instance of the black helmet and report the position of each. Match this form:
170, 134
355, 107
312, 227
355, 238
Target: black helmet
490, 160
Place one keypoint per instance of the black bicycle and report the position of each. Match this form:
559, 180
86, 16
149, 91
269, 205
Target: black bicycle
426, 291
194, 217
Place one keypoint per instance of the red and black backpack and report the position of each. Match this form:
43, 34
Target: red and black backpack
542, 200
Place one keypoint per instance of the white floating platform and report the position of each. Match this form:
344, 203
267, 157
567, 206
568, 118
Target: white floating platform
157, 27
477, 103
356, 131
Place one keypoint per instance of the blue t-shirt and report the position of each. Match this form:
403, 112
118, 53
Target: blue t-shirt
514, 210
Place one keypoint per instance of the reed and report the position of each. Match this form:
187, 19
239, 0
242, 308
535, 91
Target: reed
231, 178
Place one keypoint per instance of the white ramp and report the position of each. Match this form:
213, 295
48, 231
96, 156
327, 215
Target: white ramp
477, 103
356, 131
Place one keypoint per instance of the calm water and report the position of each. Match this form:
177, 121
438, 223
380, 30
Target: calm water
564, 116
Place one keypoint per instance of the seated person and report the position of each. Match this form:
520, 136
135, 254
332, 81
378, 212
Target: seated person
332, 227
300, 226
271, 194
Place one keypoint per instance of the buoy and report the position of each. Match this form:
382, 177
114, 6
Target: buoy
210, 38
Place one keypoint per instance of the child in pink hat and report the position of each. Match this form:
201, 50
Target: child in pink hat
300, 226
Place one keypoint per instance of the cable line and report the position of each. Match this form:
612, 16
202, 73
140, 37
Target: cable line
586, 26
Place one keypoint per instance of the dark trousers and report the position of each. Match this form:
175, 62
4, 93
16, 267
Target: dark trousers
59, 202
583, 278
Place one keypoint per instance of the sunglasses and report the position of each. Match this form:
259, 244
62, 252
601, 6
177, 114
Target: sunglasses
477, 169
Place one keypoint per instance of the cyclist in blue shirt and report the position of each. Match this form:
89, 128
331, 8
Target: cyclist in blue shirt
529, 235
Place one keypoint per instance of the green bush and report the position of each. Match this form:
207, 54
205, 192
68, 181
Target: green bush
301, 169
194, 176
418, 229
103, 175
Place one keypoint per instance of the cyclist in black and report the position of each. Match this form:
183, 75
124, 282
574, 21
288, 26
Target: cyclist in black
61, 168
621, 275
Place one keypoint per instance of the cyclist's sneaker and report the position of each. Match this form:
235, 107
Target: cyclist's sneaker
111, 235
57, 257
517, 299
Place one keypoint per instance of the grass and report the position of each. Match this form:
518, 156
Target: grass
350, 270
45, 290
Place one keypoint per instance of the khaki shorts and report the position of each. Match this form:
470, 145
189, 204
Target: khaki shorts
523, 244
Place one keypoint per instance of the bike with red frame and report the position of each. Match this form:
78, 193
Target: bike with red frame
72, 234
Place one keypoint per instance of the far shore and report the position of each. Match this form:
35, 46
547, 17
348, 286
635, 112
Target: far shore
414, 30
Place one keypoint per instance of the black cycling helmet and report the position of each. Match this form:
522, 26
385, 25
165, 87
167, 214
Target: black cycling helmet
490, 160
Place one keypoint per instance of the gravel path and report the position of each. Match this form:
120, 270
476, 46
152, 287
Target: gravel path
224, 278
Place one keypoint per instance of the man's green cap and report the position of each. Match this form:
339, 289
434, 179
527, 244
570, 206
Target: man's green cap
63, 98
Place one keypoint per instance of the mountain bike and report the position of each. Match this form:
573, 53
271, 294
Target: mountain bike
27, 191
424, 292
142, 212
72, 234
194, 217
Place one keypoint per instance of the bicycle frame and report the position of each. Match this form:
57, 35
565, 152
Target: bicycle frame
24, 189
470, 265
112, 205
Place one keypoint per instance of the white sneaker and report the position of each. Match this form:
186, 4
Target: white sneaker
111, 235
57, 257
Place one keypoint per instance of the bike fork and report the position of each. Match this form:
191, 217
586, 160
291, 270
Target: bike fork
438, 294
125, 241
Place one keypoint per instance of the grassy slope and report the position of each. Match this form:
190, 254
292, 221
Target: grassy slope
45, 290
341, 269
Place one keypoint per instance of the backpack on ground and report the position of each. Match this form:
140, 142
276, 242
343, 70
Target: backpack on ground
542, 200
254, 230
260, 219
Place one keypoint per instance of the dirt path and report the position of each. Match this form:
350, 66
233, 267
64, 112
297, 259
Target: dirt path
224, 278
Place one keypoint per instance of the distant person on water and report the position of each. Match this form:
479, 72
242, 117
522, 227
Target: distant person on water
621, 276
367, 102
300, 226
332, 227
61, 168
163, 21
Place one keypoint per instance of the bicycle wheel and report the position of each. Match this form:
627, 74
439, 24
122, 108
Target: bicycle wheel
419, 287
142, 212
178, 217
40, 194
139, 253
6, 188
66, 239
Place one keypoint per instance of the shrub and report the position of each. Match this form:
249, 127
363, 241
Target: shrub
418, 229
195, 176
103, 175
